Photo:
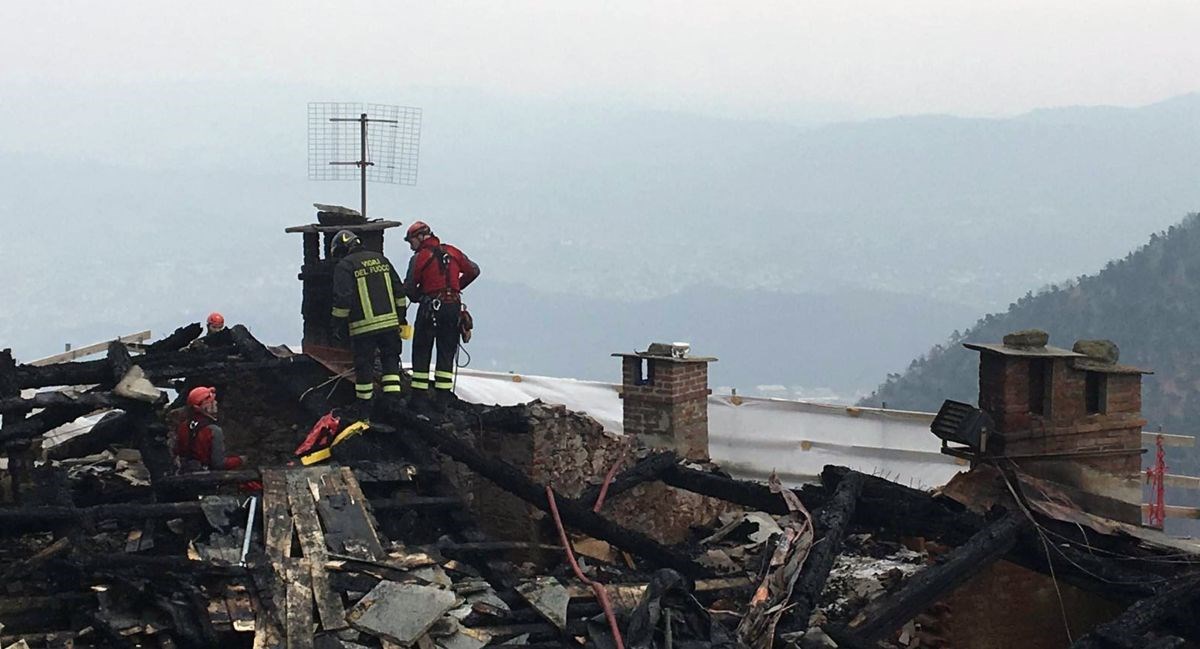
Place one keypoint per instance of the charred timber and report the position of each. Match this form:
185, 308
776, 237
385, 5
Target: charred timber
164, 365
53, 417
834, 520
20, 519
131, 565
901, 510
884, 615
177, 340
574, 513
91, 401
1176, 599
119, 362
647, 469
742, 492
313, 401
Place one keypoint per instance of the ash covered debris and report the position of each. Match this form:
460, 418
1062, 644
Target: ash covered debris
468, 526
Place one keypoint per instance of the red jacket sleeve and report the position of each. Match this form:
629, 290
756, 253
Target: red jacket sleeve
468, 270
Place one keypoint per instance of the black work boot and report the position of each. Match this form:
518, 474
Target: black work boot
360, 410
445, 399
420, 402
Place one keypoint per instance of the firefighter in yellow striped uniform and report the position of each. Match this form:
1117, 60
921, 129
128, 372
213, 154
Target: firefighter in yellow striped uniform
369, 304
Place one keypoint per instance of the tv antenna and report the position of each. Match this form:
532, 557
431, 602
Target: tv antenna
339, 140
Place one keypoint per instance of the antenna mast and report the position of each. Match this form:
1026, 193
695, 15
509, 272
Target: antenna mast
387, 153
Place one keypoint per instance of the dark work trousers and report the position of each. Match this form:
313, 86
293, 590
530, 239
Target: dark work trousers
437, 323
387, 342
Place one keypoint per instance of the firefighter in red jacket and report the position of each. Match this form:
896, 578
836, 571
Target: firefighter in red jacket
437, 274
199, 441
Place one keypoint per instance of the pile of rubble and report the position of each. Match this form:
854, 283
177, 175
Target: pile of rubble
399, 539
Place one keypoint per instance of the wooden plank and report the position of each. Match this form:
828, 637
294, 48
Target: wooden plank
350, 526
218, 615
241, 610
1174, 511
312, 543
299, 604
276, 518
1149, 439
88, 350
272, 620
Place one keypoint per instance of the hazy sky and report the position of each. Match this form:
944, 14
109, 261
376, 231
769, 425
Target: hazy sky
763, 58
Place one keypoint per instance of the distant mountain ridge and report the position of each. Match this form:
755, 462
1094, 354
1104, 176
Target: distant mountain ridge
615, 209
1147, 302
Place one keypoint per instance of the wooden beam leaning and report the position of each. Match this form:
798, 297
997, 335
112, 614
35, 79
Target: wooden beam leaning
885, 614
312, 543
647, 469
574, 513
835, 518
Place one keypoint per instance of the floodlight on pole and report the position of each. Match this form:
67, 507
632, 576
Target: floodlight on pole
387, 153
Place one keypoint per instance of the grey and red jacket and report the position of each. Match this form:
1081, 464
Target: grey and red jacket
438, 270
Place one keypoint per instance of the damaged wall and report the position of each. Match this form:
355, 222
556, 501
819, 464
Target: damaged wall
1007, 605
571, 451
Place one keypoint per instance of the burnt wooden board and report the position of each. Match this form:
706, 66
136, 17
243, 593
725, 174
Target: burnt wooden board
299, 604
349, 526
312, 543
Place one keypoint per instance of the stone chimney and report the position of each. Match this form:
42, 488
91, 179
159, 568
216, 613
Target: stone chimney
1072, 417
665, 392
316, 273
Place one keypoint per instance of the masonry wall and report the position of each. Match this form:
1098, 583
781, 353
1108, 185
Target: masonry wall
571, 452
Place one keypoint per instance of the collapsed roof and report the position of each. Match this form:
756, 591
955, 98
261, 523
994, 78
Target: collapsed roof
448, 527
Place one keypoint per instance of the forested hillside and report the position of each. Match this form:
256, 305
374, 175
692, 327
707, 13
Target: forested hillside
1148, 303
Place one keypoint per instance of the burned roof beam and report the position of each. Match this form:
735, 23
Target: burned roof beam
177, 340
834, 519
574, 513
648, 469
20, 519
1128, 630
88, 402
52, 418
741, 492
888, 613
119, 361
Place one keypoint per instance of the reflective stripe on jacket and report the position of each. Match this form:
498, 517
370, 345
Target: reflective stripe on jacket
366, 289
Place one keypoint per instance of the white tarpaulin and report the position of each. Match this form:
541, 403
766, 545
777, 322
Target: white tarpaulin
750, 437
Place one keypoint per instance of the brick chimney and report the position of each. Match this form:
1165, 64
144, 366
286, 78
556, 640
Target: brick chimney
316, 273
665, 392
1072, 417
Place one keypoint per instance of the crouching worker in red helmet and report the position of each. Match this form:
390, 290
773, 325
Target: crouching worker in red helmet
199, 441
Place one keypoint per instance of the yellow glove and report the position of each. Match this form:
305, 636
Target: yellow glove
406, 331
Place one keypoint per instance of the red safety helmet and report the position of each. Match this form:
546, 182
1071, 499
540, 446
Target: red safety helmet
418, 227
200, 396
216, 320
